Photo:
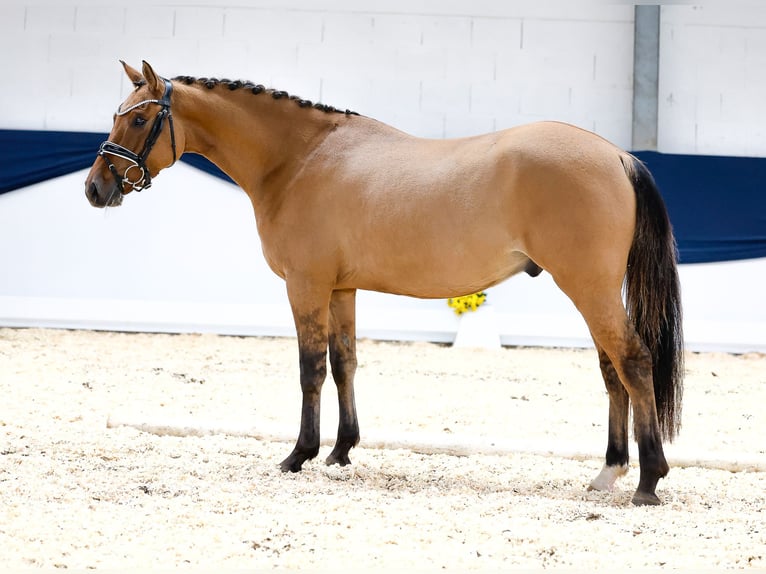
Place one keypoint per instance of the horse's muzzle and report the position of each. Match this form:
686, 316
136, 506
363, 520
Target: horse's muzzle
97, 197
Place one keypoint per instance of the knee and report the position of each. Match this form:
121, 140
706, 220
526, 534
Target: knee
313, 367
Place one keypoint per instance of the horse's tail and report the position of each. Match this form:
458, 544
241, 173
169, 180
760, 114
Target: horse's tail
653, 295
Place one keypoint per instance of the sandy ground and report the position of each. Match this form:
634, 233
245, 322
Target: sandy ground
76, 493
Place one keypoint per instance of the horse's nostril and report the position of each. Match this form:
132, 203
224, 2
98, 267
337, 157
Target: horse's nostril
92, 192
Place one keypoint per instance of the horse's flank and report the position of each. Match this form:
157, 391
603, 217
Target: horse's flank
437, 218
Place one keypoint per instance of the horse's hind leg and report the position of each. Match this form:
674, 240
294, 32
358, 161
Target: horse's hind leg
633, 363
342, 345
616, 464
612, 332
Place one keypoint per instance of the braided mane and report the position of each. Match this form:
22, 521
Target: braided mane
256, 89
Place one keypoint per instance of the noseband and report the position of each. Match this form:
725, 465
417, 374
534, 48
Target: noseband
137, 175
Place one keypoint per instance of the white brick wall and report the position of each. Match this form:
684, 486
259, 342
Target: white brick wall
433, 69
436, 69
712, 90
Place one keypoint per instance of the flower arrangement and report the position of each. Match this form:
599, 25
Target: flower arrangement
467, 302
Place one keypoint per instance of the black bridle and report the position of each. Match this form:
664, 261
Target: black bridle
138, 161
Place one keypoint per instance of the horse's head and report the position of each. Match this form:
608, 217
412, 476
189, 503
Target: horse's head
141, 143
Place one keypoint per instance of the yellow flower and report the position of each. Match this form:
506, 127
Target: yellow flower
467, 302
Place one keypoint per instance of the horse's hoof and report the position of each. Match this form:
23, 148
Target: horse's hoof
291, 464
645, 499
339, 459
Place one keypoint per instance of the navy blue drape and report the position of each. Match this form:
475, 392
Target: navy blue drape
28, 157
717, 204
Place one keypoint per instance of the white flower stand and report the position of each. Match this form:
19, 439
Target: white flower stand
478, 329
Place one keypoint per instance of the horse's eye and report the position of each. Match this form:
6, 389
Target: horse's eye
139, 121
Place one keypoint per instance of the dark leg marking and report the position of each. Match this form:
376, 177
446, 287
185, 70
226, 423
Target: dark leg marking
312, 345
636, 369
616, 460
617, 445
342, 345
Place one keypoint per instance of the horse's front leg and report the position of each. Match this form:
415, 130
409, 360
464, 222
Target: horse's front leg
343, 365
310, 311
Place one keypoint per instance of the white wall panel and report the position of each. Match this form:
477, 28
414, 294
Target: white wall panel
436, 57
712, 81
14, 18
152, 21
104, 20
52, 18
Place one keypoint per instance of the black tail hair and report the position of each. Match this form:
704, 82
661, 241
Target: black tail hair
653, 295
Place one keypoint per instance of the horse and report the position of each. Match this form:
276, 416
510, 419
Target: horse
343, 202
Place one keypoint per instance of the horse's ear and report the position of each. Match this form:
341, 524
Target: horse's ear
134, 75
154, 81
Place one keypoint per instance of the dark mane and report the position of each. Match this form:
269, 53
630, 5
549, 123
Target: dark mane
256, 89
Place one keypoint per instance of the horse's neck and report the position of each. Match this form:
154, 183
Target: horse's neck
252, 138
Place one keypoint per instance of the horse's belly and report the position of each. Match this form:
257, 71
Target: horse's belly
446, 273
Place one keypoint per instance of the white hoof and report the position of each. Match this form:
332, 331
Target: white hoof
605, 480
